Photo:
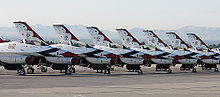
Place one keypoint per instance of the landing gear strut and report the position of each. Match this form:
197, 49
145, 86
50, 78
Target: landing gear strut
140, 71
108, 70
70, 70
169, 71
216, 70
43, 68
30, 69
194, 70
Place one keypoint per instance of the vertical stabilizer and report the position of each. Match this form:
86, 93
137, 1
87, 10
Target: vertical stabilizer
127, 39
26, 32
64, 34
99, 39
176, 41
196, 42
153, 39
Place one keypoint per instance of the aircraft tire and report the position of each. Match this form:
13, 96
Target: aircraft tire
216, 70
21, 71
140, 72
44, 69
107, 71
68, 72
73, 70
194, 70
99, 71
169, 71
30, 70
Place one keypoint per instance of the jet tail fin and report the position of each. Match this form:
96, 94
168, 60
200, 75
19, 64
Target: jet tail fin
26, 32
153, 39
99, 39
176, 41
127, 39
64, 34
196, 42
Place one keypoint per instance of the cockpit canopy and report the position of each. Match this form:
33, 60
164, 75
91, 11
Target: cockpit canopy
115, 45
35, 42
78, 44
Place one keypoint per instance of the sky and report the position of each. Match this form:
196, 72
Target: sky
112, 14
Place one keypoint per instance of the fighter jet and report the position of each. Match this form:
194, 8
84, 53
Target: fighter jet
212, 59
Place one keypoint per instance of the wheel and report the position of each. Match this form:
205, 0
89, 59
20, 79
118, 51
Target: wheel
62, 71
216, 70
158, 69
194, 70
169, 71
130, 70
73, 70
21, 71
182, 69
30, 70
99, 70
68, 72
107, 71
204, 68
140, 71
43, 69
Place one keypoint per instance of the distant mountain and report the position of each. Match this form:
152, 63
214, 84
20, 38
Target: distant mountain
208, 34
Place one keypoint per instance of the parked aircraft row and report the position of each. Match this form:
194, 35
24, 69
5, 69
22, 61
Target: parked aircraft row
33, 50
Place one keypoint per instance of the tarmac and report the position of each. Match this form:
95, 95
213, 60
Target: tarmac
120, 83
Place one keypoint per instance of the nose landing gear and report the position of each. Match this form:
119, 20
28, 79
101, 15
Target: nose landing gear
70, 70
108, 70
21, 71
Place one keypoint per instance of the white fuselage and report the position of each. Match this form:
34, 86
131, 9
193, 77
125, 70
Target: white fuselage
92, 55
193, 57
165, 59
17, 53
131, 56
214, 56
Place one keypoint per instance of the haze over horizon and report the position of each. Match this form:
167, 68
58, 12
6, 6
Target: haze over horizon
111, 14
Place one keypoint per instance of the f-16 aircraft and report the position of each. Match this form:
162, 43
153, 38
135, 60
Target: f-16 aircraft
201, 47
15, 55
32, 44
130, 41
96, 58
